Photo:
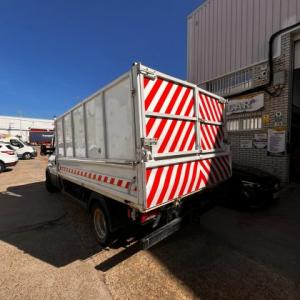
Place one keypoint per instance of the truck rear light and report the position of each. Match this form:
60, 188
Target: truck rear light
9, 152
145, 217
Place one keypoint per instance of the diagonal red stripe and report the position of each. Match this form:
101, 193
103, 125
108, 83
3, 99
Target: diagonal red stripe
200, 176
204, 138
166, 185
149, 125
166, 138
189, 108
154, 186
152, 93
146, 81
186, 176
192, 143
182, 102
210, 108
175, 185
173, 99
205, 108
209, 178
176, 138
160, 128
182, 146
193, 177
163, 97
213, 106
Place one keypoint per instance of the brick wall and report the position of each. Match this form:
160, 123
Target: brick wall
278, 166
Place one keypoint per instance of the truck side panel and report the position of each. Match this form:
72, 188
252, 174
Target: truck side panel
96, 143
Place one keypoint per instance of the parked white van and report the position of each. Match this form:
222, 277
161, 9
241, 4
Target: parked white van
23, 150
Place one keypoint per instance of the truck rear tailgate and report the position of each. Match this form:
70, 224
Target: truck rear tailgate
184, 136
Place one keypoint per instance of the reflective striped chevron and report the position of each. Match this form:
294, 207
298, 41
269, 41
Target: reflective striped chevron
210, 109
167, 183
171, 120
211, 127
211, 137
166, 97
118, 182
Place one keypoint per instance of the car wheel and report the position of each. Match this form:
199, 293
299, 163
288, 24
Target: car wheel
2, 166
50, 187
27, 156
100, 224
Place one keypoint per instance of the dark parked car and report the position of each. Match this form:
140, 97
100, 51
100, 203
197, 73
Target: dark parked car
249, 188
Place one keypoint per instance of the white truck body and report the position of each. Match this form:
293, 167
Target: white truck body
147, 139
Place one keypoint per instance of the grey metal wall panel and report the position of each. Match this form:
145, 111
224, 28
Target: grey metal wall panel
226, 35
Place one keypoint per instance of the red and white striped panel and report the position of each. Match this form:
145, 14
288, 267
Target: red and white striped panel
167, 183
211, 137
172, 135
167, 97
210, 109
118, 182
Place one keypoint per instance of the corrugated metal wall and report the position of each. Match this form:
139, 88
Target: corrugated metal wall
227, 35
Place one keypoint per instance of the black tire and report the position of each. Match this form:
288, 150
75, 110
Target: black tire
26, 156
100, 224
2, 167
50, 187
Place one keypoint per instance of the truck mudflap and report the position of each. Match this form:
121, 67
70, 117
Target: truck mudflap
160, 234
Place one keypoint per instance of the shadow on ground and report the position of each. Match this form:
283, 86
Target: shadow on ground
222, 254
47, 226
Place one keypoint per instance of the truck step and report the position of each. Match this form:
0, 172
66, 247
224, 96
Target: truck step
160, 234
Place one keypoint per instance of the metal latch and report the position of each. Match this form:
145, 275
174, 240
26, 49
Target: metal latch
148, 145
149, 141
148, 73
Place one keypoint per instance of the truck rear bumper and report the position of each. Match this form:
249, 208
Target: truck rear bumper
160, 234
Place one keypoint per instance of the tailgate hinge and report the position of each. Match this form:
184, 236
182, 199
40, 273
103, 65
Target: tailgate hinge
148, 73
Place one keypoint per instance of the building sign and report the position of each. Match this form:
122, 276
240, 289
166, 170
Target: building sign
260, 140
276, 142
246, 144
253, 103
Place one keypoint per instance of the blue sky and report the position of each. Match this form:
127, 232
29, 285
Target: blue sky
55, 53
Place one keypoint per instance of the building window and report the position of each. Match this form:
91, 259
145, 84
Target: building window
252, 124
235, 82
233, 125
244, 124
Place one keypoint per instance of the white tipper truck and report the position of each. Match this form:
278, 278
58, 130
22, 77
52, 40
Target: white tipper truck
134, 150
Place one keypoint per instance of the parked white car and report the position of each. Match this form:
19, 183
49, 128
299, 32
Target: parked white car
22, 149
8, 157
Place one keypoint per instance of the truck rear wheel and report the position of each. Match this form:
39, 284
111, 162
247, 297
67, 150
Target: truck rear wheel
100, 223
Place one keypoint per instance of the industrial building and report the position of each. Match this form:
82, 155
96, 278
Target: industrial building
249, 52
20, 127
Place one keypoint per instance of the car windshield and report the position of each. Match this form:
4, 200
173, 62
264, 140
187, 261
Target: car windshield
25, 143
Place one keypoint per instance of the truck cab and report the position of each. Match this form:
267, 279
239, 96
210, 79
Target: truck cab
23, 150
